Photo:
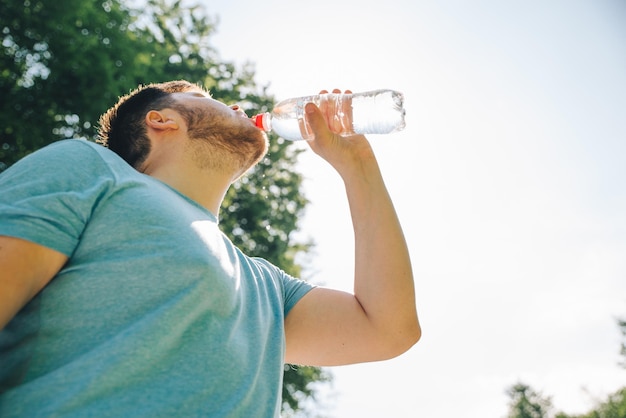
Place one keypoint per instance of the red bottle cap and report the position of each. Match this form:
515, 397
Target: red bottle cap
260, 121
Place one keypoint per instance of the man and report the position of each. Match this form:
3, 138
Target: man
119, 296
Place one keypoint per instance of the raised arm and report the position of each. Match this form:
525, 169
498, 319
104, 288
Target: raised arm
25, 268
379, 320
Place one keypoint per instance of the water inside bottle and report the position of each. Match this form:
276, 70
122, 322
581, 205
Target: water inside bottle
379, 113
289, 128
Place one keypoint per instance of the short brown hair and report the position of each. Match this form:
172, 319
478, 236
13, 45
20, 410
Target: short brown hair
122, 128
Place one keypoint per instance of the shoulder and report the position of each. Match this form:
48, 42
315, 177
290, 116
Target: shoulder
49, 196
65, 170
68, 147
77, 151
75, 160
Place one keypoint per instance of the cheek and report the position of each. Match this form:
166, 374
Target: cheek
203, 126
237, 135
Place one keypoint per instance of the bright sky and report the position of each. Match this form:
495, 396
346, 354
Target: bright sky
509, 180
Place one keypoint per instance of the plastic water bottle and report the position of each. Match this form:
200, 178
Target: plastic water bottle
373, 112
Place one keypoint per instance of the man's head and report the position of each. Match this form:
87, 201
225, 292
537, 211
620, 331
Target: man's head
210, 125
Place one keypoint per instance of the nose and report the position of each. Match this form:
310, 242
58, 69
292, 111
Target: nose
239, 110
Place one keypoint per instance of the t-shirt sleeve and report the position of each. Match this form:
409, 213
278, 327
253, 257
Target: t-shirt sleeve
293, 289
49, 196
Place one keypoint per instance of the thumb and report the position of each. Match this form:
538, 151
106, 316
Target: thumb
321, 138
315, 120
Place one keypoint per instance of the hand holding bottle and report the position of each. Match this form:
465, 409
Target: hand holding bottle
337, 111
329, 139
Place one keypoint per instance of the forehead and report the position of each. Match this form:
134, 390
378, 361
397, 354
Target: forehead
196, 97
199, 99
199, 92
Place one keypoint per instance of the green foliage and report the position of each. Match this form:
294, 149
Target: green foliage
64, 63
613, 407
526, 403
61, 64
298, 388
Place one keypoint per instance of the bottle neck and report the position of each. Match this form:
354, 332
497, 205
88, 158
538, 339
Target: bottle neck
262, 121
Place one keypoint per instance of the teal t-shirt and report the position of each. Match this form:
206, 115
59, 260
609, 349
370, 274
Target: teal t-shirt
156, 313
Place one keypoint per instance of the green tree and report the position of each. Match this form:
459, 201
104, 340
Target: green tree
526, 403
63, 63
613, 407
615, 404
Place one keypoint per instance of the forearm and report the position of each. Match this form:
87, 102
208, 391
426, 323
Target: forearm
383, 275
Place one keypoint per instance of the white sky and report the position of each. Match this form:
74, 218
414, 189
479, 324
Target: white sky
509, 181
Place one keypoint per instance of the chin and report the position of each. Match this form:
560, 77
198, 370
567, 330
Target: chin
260, 144
262, 150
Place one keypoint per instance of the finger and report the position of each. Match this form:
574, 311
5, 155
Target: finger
316, 121
335, 113
313, 115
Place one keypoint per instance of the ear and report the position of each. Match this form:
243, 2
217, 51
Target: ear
160, 121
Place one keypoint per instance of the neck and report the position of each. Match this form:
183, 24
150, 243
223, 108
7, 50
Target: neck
204, 186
